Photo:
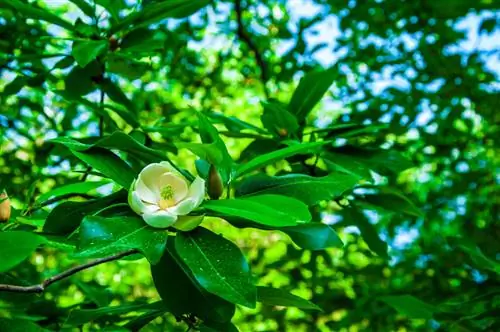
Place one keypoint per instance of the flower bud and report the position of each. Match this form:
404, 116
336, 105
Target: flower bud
4, 207
283, 132
215, 187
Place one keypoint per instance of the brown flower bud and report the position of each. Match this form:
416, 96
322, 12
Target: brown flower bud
4, 207
214, 183
282, 132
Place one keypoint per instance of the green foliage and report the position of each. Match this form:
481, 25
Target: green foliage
19, 245
362, 197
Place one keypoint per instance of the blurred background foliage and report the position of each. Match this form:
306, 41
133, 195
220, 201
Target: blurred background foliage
422, 75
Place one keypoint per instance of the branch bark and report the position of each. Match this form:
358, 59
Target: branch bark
40, 288
243, 35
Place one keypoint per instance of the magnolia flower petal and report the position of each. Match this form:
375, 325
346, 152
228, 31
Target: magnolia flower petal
183, 207
135, 202
178, 185
160, 219
145, 193
149, 177
197, 191
171, 168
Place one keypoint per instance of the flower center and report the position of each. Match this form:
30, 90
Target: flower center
167, 197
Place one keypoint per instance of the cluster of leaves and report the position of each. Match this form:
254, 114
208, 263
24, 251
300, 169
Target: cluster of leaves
289, 174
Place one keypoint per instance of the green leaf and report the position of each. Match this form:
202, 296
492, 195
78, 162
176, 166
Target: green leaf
87, 51
279, 297
212, 150
67, 216
19, 325
271, 210
85, 7
475, 254
113, 7
15, 86
313, 236
158, 11
269, 158
94, 292
390, 199
16, 246
278, 120
115, 93
368, 231
115, 141
109, 164
138, 323
72, 188
210, 326
232, 123
360, 161
31, 11
310, 190
82, 316
182, 294
143, 40
309, 92
120, 64
79, 81
218, 265
410, 306
101, 237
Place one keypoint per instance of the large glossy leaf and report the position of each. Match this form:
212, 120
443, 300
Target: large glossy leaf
368, 231
72, 188
271, 157
101, 237
67, 216
313, 236
109, 164
113, 7
213, 149
279, 297
218, 265
308, 189
410, 306
19, 325
390, 199
182, 294
115, 93
86, 51
475, 253
271, 210
234, 124
31, 11
278, 120
360, 161
309, 92
143, 40
118, 141
82, 316
158, 11
16, 246
85, 7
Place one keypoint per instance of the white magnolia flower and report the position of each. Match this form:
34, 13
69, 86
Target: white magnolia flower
161, 195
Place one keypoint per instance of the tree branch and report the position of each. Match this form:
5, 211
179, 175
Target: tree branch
40, 288
243, 35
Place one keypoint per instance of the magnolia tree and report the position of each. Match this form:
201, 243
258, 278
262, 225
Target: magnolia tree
158, 210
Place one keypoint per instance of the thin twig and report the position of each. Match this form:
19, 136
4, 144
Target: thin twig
243, 35
40, 288
60, 198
